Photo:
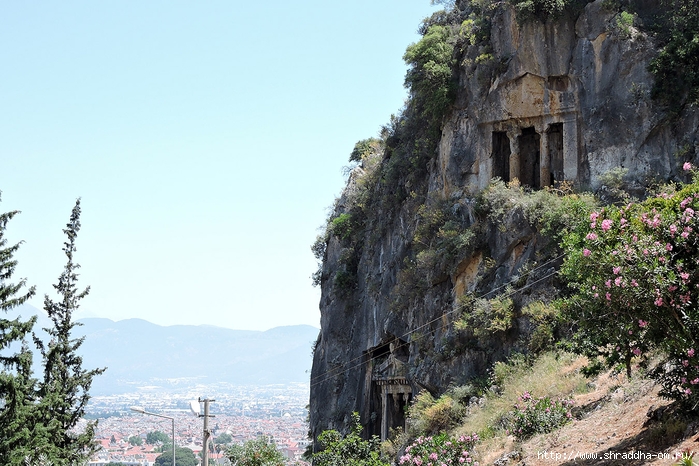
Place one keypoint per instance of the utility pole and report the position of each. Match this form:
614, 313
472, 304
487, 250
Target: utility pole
207, 433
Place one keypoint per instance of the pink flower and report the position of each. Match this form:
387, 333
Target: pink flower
433, 456
593, 216
668, 247
685, 363
591, 236
637, 351
617, 281
684, 234
687, 166
690, 352
608, 283
642, 323
634, 282
616, 270
608, 296
659, 302
688, 391
606, 224
586, 252
673, 229
695, 381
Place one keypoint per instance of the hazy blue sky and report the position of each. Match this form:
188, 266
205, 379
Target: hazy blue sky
206, 140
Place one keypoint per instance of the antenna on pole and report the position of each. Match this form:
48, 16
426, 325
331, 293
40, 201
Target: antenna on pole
195, 408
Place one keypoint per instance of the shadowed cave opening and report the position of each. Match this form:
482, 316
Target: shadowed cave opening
529, 157
555, 146
501, 156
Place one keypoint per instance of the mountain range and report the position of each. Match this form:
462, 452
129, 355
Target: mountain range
139, 353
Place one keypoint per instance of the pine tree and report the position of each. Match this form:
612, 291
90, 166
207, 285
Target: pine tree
64, 391
16, 382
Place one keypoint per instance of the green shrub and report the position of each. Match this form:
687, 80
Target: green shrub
442, 239
545, 320
676, 67
429, 416
345, 281
624, 22
343, 226
543, 9
430, 77
486, 317
261, 451
552, 211
366, 148
350, 450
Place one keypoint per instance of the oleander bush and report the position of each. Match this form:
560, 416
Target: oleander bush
635, 279
538, 415
441, 449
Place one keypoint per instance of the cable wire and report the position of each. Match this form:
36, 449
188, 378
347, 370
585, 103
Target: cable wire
332, 373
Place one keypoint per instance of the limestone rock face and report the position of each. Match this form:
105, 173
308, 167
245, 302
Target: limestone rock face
566, 100
579, 90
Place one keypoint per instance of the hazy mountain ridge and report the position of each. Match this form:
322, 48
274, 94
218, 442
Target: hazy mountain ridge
138, 353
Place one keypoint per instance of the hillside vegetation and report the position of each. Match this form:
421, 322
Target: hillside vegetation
601, 317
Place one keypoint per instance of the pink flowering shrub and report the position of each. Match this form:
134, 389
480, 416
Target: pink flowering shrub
538, 415
635, 274
440, 450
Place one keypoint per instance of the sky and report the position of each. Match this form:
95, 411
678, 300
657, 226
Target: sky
206, 141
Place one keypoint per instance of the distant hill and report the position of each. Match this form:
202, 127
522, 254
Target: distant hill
139, 353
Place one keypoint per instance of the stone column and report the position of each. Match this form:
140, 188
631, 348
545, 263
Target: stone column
570, 148
384, 412
513, 136
545, 160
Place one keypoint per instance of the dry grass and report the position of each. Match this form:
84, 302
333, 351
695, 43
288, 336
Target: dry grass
552, 374
555, 375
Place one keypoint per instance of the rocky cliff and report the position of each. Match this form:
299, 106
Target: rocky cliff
561, 102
